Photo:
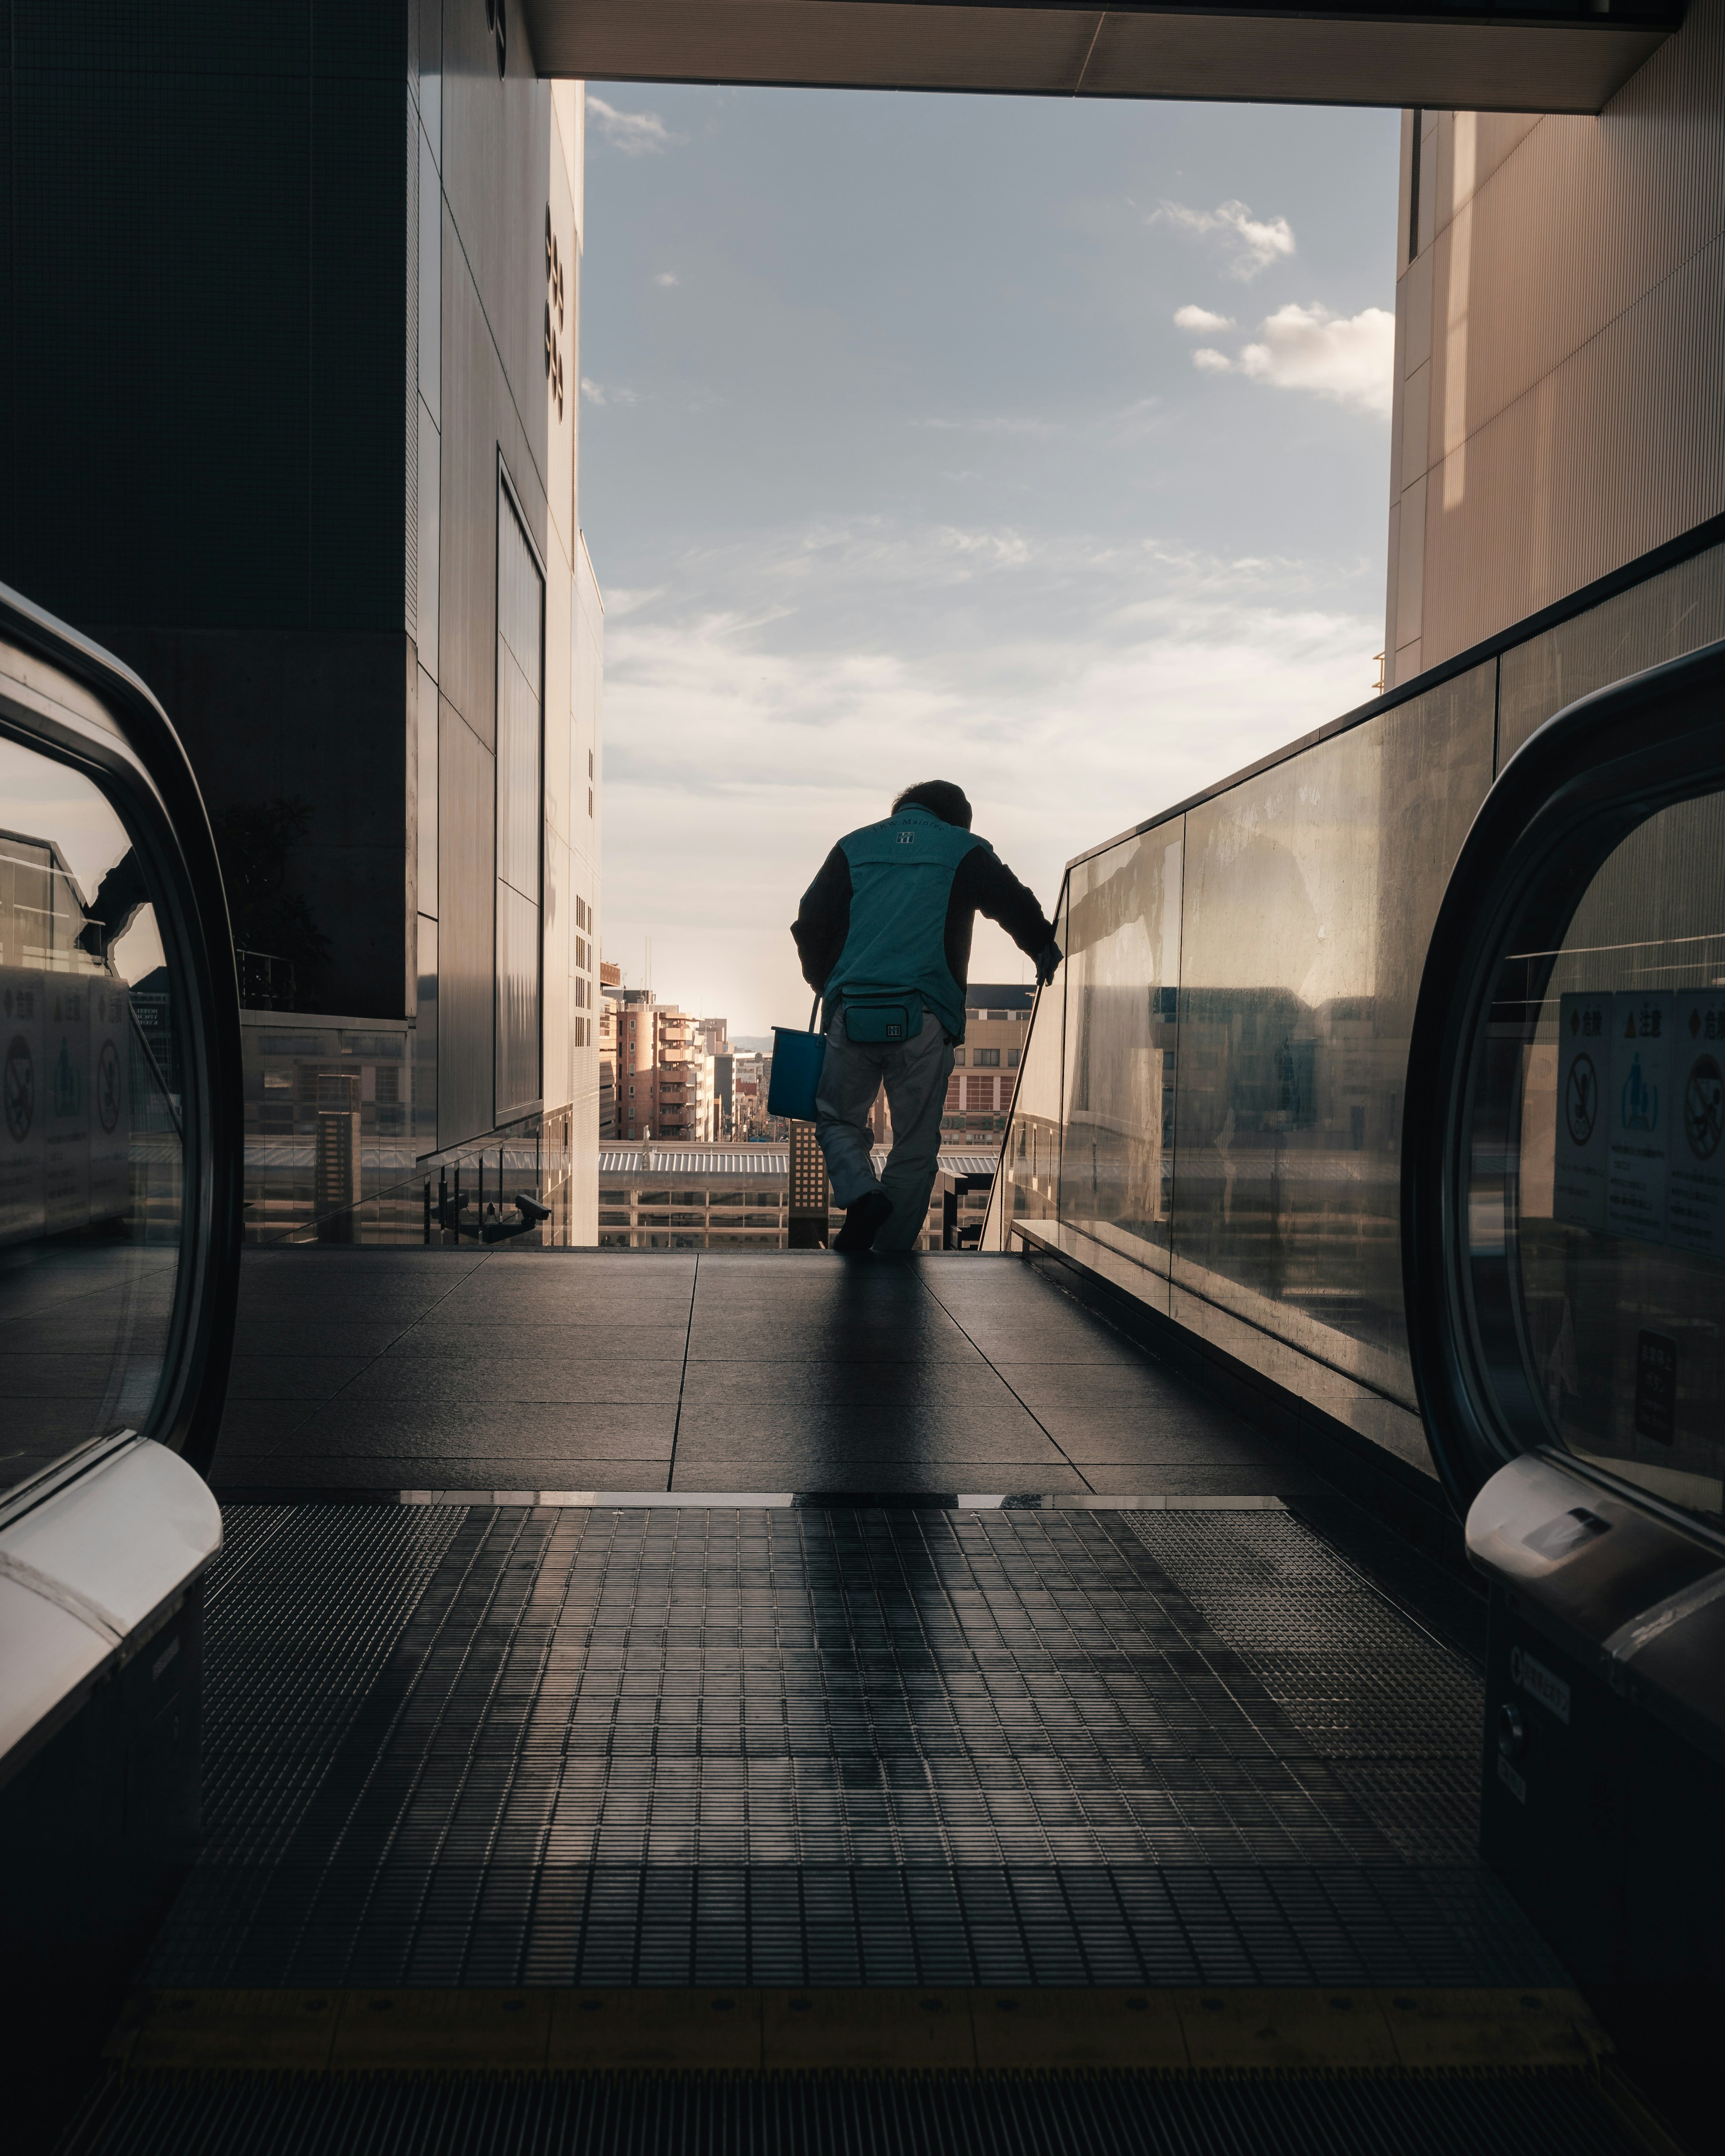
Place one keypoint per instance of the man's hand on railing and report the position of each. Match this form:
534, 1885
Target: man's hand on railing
1047, 963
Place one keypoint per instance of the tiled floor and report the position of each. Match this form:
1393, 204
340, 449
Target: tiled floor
705, 1371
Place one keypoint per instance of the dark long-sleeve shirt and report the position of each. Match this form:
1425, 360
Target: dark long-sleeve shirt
982, 883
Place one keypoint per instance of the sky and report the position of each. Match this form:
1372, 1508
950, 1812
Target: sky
1037, 444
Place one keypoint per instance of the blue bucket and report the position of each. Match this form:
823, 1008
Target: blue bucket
797, 1060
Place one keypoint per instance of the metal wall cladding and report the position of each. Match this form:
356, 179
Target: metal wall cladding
520, 762
492, 145
1575, 285
497, 161
521, 811
518, 1004
466, 932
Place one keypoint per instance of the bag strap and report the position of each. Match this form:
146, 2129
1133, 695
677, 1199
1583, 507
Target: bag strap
814, 1011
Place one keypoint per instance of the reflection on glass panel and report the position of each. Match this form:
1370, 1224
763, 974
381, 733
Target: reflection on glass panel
328, 1114
1310, 893
1677, 611
1122, 977
1618, 1161
1027, 1182
91, 1162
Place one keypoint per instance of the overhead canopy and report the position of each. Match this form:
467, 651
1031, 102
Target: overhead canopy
1473, 57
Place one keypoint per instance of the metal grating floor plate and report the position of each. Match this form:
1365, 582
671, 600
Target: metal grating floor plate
1395, 1713
723, 1746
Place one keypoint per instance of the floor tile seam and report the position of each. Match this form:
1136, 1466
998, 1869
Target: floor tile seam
390, 1346
954, 1318
671, 1473
309, 1412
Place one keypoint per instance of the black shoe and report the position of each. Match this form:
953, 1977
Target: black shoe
863, 1222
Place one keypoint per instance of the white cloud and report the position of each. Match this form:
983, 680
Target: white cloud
667, 277
1201, 321
599, 392
633, 133
1349, 358
1248, 243
1104, 682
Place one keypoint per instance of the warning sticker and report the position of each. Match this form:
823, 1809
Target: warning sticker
1584, 1071
1639, 1114
1695, 1195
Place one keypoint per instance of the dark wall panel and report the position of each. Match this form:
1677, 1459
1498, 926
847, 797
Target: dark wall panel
357, 477
324, 718
193, 189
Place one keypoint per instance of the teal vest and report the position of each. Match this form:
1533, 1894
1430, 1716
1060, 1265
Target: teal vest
902, 876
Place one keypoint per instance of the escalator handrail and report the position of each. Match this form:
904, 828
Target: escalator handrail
143, 760
1574, 790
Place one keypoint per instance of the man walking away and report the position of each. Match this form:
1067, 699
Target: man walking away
884, 934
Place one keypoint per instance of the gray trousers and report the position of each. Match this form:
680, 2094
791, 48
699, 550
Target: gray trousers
915, 1073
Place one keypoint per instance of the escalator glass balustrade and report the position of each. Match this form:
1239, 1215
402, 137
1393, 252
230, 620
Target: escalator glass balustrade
118, 1236
1563, 1211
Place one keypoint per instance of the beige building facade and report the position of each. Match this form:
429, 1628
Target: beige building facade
1560, 351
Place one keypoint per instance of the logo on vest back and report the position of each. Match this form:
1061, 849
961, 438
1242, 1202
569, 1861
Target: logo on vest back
907, 838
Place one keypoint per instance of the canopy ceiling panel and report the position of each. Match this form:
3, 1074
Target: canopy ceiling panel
1471, 57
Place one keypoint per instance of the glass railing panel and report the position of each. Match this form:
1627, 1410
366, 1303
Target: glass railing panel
1121, 1032
92, 1157
1677, 611
1612, 1184
1310, 894
329, 1115
1027, 1181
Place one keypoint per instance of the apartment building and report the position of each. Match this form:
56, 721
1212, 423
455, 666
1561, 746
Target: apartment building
610, 982
750, 1082
664, 1082
985, 1069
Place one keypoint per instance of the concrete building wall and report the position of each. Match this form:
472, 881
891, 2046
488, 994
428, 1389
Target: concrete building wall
1560, 342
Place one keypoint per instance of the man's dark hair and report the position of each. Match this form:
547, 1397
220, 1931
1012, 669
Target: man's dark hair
947, 800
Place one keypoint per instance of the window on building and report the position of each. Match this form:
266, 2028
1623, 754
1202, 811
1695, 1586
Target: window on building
958, 1059
987, 1059
1012, 1059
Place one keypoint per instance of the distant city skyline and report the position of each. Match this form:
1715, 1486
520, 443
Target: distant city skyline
1038, 444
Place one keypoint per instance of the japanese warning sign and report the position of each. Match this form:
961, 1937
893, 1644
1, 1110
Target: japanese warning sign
1695, 1203
1584, 1073
1639, 1114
